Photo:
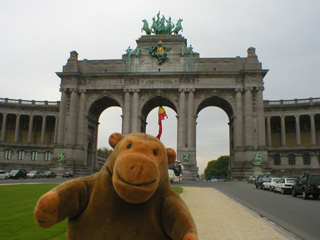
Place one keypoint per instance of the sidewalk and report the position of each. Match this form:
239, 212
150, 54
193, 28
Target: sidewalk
218, 217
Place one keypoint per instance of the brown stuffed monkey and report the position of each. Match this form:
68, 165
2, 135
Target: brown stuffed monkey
129, 198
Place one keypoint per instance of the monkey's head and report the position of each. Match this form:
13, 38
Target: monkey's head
138, 164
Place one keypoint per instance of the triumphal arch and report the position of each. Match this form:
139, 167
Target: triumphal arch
163, 70
281, 137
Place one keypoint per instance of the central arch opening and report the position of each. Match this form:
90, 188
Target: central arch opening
214, 130
169, 125
212, 136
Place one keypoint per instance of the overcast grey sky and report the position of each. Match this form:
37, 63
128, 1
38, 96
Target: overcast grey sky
37, 37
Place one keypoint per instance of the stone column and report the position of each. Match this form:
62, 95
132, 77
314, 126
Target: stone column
62, 117
238, 132
126, 113
269, 131
283, 131
55, 129
191, 121
135, 111
43, 130
260, 117
248, 118
4, 127
182, 120
16, 131
298, 138
313, 130
72, 121
30, 129
82, 118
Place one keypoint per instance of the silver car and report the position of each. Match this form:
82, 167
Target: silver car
34, 174
4, 175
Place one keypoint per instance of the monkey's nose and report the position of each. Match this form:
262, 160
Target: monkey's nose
135, 171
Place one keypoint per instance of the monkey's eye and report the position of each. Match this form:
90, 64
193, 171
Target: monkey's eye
129, 146
155, 152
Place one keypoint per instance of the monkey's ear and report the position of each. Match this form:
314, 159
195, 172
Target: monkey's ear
115, 138
171, 155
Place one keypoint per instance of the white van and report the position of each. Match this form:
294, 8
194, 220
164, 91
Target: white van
172, 176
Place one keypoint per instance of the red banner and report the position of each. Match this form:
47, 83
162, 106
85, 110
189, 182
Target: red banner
161, 116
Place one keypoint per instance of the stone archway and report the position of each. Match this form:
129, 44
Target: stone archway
184, 82
98, 105
226, 107
151, 103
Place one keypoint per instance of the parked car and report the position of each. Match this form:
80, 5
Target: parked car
284, 185
34, 174
4, 175
68, 174
260, 180
252, 179
270, 183
18, 174
308, 184
50, 174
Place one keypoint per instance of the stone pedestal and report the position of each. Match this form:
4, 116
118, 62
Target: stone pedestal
187, 175
257, 170
60, 170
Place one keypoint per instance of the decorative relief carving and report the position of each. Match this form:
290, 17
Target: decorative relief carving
253, 78
188, 81
239, 80
131, 82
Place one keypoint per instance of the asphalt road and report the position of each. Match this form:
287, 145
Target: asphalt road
296, 215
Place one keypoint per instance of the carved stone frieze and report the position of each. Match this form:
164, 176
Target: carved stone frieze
131, 82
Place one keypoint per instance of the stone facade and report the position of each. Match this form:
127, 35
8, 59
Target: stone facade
184, 82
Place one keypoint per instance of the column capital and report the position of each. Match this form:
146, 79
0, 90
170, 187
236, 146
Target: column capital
127, 90
282, 116
312, 115
182, 90
83, 91
297, 116
248, 89
238, 90
63, 90
44, 116
268, 117
190, 90
260, 89
73, 90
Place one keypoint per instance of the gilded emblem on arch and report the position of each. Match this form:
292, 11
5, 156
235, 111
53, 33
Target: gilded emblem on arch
159, 51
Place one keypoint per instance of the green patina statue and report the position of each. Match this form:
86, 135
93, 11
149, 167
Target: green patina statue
159, 51
161, 26
257, 160
129, 51
186, 157
182, 50
138, 51
178, 27
61, 157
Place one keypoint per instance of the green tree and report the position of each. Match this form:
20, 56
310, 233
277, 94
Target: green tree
217, 168
104, 151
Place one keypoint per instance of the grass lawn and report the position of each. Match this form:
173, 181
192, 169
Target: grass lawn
16, 219
17, 222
